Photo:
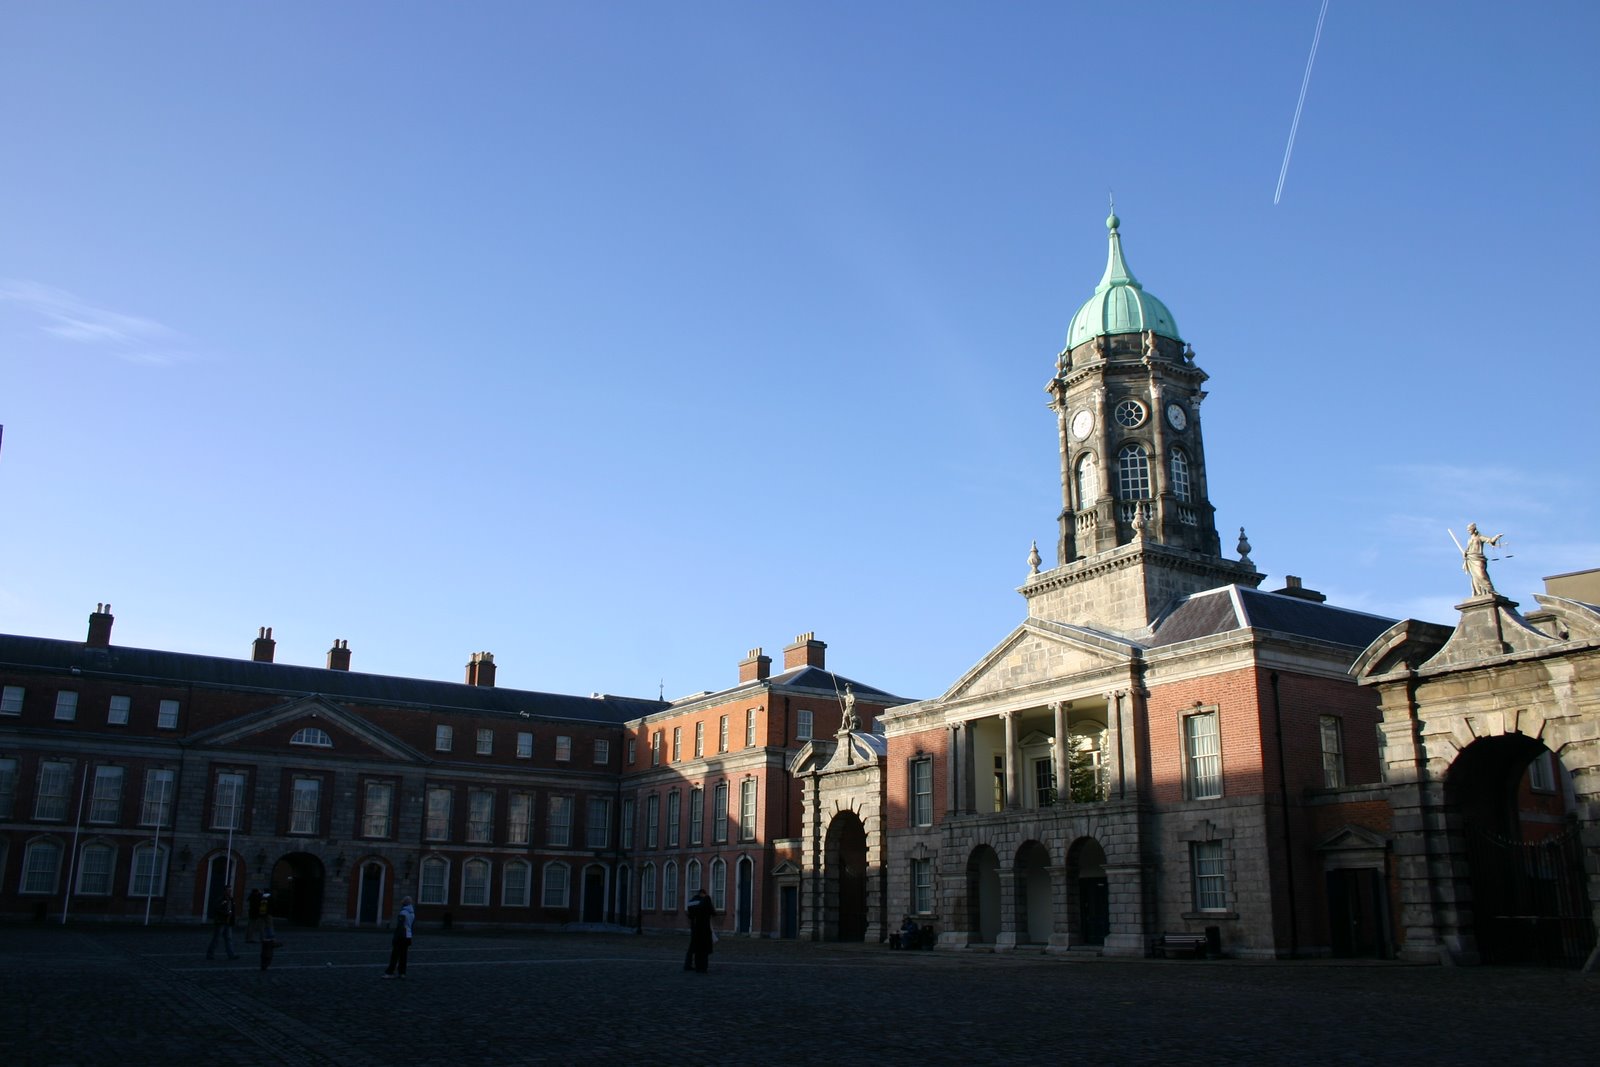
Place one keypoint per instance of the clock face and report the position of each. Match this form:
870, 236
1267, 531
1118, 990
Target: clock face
1177, 416
1129, 413
1082, 423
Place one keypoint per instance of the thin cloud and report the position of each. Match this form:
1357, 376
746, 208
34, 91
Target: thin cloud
69, 318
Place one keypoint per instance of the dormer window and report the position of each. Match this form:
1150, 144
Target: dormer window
314, 736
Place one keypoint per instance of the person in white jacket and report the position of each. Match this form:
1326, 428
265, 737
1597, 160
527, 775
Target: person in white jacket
404, 923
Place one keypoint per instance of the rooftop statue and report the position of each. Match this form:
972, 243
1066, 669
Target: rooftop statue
1475, 563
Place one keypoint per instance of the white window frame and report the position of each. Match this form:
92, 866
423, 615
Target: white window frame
66, 705
155, 809
118, 709
602, 751
674, 818
563, 748
485, 741
669, 886
476, 874
50, 797
147, 875
750, 728
719, 814
647, 888
556, 891
1542, 772
558, 830
700, 739
524, 744
377, 808
719, 884
97, 866
305, 805
11, 699
1133, 473
227, 800
438, 810
803, 725
105, 796
652, 820
480, 816
697, 816
312, 737
516, 880
519, 818
722, 734
41, 867
597, 829
444, 738
921, 885
694, 879
677, 744
1331, 734
433, 880
748, 809
922, 791
167, 715
1208, 864
1202, 754
629, 810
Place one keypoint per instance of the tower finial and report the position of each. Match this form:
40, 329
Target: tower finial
1112, 222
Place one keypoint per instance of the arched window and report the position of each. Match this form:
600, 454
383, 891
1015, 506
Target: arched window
41, 866
719, 884
312, 735
434, 885
149, 878
557, 881
1088, 479
475, 883
1133, 473
514, 882
691, 878
95, 863
647, 888
669, 886
1180, 475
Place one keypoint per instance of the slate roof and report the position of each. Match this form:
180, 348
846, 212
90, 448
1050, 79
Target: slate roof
1236, 607
817, 678
149, 665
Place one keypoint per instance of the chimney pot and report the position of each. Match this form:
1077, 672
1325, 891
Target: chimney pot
263, 647
806, 651
755, 667
339, 655
480, 669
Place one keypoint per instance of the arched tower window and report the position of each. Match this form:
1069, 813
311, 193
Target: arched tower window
1088, 479
1133, 473
1180, 475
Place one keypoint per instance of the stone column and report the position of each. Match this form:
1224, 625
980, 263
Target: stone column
1013, 779
969, 795
1006, 939
1128, 936
952, 790
1060, 927
1063, 754
1116, 753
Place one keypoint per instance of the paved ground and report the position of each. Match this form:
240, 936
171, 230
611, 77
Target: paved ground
93, 995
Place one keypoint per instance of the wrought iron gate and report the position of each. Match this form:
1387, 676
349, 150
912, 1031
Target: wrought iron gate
1530, 903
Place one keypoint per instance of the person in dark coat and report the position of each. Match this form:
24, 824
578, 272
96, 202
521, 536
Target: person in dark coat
222, 924
700, 912
404, 922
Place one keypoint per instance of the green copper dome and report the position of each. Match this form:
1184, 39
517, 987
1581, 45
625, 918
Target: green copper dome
1119, 303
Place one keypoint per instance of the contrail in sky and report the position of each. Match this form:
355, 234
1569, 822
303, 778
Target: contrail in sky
1304, 84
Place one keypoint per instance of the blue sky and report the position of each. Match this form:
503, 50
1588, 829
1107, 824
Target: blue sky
619, 338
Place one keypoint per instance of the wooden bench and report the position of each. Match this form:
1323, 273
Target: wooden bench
1194, 944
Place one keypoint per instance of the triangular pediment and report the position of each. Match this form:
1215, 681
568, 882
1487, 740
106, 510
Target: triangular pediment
274, 729
1042, 652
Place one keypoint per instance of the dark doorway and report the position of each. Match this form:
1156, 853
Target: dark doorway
742, 895
847, 876
1529, 900
624, 911
1090, 892
219, 874
371, 894
297, 889
983, 894
1357, 911
594, 895
789, 912
1034, 901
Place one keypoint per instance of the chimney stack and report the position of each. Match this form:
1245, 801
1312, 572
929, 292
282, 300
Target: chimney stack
1292, 587
100, 627
755, 667
339, 655
806, 651
262, 648
480, 669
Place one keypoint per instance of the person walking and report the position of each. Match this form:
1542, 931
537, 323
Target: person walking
700, 912
404, 923
252, 914
222, 924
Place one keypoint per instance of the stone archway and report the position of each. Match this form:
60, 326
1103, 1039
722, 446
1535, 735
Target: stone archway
1088, 893
297, 882
845, 875
1518, 853
1035, 904
983, 895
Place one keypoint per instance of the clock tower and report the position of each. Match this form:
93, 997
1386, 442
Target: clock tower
1134, 493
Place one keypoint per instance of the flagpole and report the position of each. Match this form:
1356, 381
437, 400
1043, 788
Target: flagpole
72, 864
155, 856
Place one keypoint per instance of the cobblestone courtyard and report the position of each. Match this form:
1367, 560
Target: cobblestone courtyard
93, 995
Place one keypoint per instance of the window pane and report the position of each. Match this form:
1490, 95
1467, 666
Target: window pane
475, 883
307, 806
519, 818
1210, 885
485, 742
66, 705
719, 885
598, 830
514, 885
40, 866
1133, 473
167, 716
157, 807
559, 831
438, 815
480, 817
106, 807
11, 700
379, 805
227, 809
94, 870
669, 887
719, 816
922, 793
435, 877
1332, 751
149, 872
555, 885
747, 810
674, 820
524, 745
117, 712
1205, 756
697, 816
